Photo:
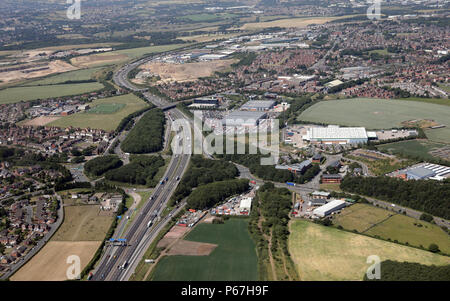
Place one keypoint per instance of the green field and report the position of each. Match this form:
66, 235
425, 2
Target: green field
12, 95
107, 122
78, 75
360, 217
406, 229
378, 114
233, 259
418, 148
106, 108
326, 253
375, 222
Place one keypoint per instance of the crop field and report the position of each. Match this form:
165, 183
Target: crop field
418, 148
12, 95
325, 253
233, 259
50, 264
103, 121
83, 223
378, 114
78, 75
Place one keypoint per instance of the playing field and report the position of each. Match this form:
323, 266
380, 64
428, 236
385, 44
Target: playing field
423, 149
79, 75
50, 264
326, 253
106, 108
83, 223
108, 122
378, 114
12, 95
233, 259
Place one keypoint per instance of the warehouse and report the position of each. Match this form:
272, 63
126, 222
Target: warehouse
243, 118
419, 173
336, 135
258, 105
329, 208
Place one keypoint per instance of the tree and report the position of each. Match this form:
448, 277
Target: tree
434, 248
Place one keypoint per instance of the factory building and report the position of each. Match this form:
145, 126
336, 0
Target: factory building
296, 168
258, 105
329, 208
425, 171
243, 118
336, 135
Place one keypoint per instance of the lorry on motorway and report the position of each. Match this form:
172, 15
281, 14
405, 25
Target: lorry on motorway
290, 183
124, 265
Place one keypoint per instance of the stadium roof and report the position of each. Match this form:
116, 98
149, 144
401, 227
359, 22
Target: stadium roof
336, 133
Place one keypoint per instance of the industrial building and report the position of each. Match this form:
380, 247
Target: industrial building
336, 135
243, 118
258, 105
296, 168
426, 171
329, 208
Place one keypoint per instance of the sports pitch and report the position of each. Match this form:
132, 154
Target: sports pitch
105, 121
106, 108
378, 114
234, 259
326, 253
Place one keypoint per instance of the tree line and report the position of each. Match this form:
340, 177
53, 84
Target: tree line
208, 195
147, 135
424, 195
100, 165
141, 170
202, 171
409, 271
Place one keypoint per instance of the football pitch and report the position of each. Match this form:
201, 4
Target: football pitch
234, 259
98, 118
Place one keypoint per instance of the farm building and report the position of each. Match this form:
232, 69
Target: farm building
336, 135
329, 208
258, 105
243, 118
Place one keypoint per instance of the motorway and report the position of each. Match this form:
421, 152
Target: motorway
118, 262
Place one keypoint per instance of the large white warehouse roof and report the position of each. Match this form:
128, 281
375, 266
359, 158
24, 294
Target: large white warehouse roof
336, 133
